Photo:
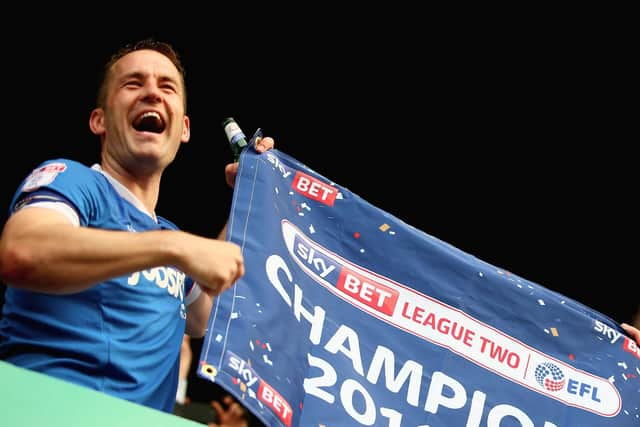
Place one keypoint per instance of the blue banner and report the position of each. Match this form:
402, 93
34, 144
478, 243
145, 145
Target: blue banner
347, 316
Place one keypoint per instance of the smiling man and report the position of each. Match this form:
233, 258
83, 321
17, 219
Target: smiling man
101, 289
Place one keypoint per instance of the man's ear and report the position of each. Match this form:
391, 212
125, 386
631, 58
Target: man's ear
96, 121
186, 130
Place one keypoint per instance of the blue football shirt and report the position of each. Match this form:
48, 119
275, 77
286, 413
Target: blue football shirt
121, 336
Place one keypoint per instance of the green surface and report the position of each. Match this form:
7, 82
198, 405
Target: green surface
31, 399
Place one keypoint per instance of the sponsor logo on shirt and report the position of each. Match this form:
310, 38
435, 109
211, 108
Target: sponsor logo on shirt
165, 278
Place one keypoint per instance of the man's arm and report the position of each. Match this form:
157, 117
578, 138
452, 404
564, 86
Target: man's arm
40, 250
199, 310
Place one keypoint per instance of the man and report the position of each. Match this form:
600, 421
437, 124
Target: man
100, 288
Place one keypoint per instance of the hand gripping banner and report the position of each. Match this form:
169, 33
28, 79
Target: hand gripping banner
347, 316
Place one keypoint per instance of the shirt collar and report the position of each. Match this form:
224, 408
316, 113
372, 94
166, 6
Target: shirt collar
124, 192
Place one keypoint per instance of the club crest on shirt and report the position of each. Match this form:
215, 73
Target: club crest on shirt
43, 176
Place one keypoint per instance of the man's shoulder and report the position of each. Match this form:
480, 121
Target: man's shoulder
61, 164
64, 163
58, 169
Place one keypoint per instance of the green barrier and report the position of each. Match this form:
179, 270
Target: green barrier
30, 398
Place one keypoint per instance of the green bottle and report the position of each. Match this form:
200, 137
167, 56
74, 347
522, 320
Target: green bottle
237, 139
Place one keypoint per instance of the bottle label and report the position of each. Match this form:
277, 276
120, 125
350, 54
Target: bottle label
234, 133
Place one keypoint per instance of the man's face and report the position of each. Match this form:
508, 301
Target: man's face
144, 119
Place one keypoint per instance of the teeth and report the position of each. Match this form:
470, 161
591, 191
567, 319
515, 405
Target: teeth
149, 114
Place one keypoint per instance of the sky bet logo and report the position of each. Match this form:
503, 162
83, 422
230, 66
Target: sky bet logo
239, 368
314, 188
434, 321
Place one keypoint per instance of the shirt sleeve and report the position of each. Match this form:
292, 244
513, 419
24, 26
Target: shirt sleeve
62, 207
193, 294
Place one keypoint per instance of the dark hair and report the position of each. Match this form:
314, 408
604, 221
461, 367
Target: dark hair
149, 44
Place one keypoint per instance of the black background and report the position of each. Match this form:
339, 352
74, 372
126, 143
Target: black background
504, 138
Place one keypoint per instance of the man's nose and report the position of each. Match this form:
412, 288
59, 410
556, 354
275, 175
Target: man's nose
151, 93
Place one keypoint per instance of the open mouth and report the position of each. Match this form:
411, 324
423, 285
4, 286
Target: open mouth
149, 121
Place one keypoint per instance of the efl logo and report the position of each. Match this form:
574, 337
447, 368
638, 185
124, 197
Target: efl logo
549, 376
